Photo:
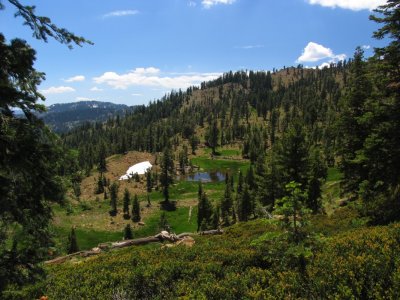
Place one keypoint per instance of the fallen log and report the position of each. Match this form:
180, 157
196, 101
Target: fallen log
135, 242
159, 238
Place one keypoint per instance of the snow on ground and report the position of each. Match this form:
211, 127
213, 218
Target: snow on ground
139, 168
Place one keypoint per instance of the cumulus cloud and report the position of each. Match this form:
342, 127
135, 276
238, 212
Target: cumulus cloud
58, 90
137, 95
152, 77
121, 13
75, 78
315, 52
349, 4
366, 47
211, 3
192, 4
96, 89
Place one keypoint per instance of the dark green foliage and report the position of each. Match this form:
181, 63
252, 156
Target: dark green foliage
128, 234
72, 245
244, 204
204, 210
293, 208
194, 142
100, 186
126, 202
102, 164
149, 181
30, 167
317, 176
212, 135
371, 163
167, 171
136, 209
113, 199
227, 206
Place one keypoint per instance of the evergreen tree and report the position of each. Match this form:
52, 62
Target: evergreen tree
194, 142
380, 191
226, 206
250, 178
72, 246
212, 136
292, 154
318, 173
114, 199
31, 156
293, 209
244, 204
100, 186
204, 209
102, 164
136, 209
128, 234
149, 181
126, 202
167, 169
352, 132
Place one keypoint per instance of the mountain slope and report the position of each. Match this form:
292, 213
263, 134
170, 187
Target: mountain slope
65, 116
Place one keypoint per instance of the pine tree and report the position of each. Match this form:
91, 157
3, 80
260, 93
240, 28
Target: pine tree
293, 209
226, 206
149, 181
114, 199
204, 209
318, 173
212, 136
352, 132
244, 204
167, 169
72, 246
126, 202
136, 209
100, 186
102, 164
128, 234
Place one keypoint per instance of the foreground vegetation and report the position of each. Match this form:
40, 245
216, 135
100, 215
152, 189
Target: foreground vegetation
348, 260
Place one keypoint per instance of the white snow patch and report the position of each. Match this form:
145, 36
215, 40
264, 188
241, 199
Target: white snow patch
140, 169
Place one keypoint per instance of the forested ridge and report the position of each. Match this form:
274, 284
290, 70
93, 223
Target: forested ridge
250, 108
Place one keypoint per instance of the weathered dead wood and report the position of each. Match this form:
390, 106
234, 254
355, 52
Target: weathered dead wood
135, 242
159, 238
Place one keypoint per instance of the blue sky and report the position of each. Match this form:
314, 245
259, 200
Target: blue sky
145, 48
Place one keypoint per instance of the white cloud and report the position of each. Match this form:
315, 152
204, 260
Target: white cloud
151, 77
75, 78
58, 90
137, 95
192, 4
121, 13
210, 3
315, 52
366, 47
349, 4
96, 89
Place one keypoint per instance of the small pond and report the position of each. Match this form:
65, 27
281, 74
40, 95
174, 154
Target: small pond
210, 176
